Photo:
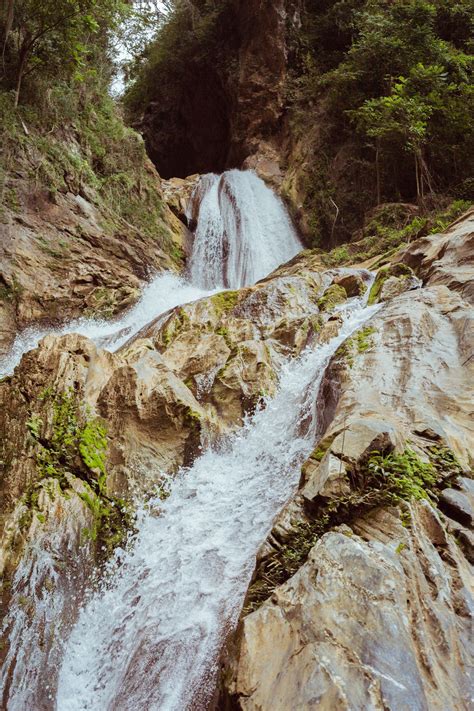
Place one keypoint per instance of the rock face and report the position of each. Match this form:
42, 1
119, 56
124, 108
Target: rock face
367, 623
232, 102
71, 255
378, 613
445, 259
360, 597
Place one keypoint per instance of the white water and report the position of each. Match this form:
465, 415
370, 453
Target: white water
243, 231
151, 638
243, 214
164, 292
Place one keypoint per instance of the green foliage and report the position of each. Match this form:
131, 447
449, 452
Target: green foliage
192, 34
72, 437
386, 233
93, 447
390, 86
77, 142
54, 38
401, 476
34, 425
383, 479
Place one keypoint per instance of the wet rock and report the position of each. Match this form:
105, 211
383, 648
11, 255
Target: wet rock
351, 630
353, 284
332, 297
457, 505
391, 281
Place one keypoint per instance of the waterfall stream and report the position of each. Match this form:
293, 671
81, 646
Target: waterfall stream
149, 637
243, 233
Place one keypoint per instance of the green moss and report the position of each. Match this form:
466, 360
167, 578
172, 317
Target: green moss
103, 302
381, 480
92, 443
71, 438
77, 140
363, 338
337, 256
173, 326
225, 301
401, 546
317, 454
401, 271
333, 296
194, 418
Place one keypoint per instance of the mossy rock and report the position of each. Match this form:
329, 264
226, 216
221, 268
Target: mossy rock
225, 301
352, 283
400, 272
332, 297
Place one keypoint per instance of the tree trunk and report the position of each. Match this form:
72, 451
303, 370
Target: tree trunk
21, 70
417, 177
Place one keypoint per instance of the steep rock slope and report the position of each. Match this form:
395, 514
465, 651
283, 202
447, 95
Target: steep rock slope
84, 430
82, 223
380, 612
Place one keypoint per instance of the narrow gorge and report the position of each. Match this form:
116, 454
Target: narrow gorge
236, 359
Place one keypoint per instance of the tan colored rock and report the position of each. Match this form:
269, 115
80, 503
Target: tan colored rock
352, 283
68, 256
366, 624
445, 259
327, 479
378, 617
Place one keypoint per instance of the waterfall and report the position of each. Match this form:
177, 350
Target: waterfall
243, 232
151, 637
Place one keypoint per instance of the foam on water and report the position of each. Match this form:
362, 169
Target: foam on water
150, 639
242, 234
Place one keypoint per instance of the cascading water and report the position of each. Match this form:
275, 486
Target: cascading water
242, 234
150, 636
243, 231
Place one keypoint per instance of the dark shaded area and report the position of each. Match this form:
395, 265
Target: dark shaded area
190, 132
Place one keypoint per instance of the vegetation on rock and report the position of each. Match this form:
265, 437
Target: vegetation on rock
390, 87
382, 479
71, 442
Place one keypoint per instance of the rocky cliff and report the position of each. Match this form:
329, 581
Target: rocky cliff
83, 224
361, 595
321, 100
379, 613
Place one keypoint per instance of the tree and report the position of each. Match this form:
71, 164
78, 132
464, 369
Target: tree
55, 34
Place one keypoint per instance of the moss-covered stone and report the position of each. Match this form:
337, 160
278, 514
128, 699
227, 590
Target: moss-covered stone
332, 297
225, 301
400, 271
69, 442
